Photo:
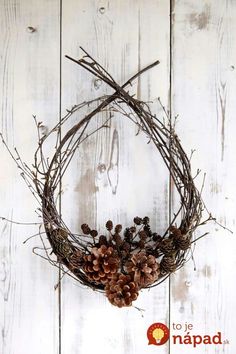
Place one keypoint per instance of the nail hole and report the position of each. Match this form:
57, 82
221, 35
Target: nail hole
102, 10
31, 29
101, 167
188, 283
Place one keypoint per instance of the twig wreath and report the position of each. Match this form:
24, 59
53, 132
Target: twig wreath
119, 263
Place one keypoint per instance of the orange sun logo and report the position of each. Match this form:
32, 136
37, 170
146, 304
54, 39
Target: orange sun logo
158, 334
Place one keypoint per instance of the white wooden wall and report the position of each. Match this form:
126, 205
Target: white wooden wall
195, 42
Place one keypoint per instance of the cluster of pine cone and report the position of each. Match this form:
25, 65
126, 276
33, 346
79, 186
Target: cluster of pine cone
124, 263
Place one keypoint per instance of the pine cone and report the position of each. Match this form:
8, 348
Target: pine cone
63, 249
118, 228
167, 265
145, 220
121, 290
175, 231
167, 246
147, 229
101, 264
156, 237
144, 269
93, 233
76, 259
60, 244
59, 235
182, 242
109, 225
138, 220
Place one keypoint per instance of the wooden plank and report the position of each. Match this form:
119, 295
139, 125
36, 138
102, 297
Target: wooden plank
29, 80
116, 174
204, 83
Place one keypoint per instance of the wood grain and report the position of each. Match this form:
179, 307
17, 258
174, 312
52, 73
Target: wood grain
116, 174
112, 176
29, 80
203, 85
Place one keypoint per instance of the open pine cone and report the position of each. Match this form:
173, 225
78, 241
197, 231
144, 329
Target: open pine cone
101, 264
144, 269
121, 290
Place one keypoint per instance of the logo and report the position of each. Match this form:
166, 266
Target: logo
182, 334
158, 334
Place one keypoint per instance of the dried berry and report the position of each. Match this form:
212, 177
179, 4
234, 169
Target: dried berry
142, 235
132, 229
148, 231
156, 237
128, 235
118, 228
86, 229
109, 225
93, 233
138, 220
146, 220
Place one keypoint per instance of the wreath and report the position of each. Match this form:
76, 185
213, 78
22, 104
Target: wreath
119, 262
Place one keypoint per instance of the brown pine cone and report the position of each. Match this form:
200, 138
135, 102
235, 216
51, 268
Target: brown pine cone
101, 264
121, 290
167, 246
143, 268
63, 249
59, 235
60, 243
167, 265
76, 259
175, 231
182, 242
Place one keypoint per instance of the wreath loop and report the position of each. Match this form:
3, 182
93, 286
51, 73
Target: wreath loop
124, 261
